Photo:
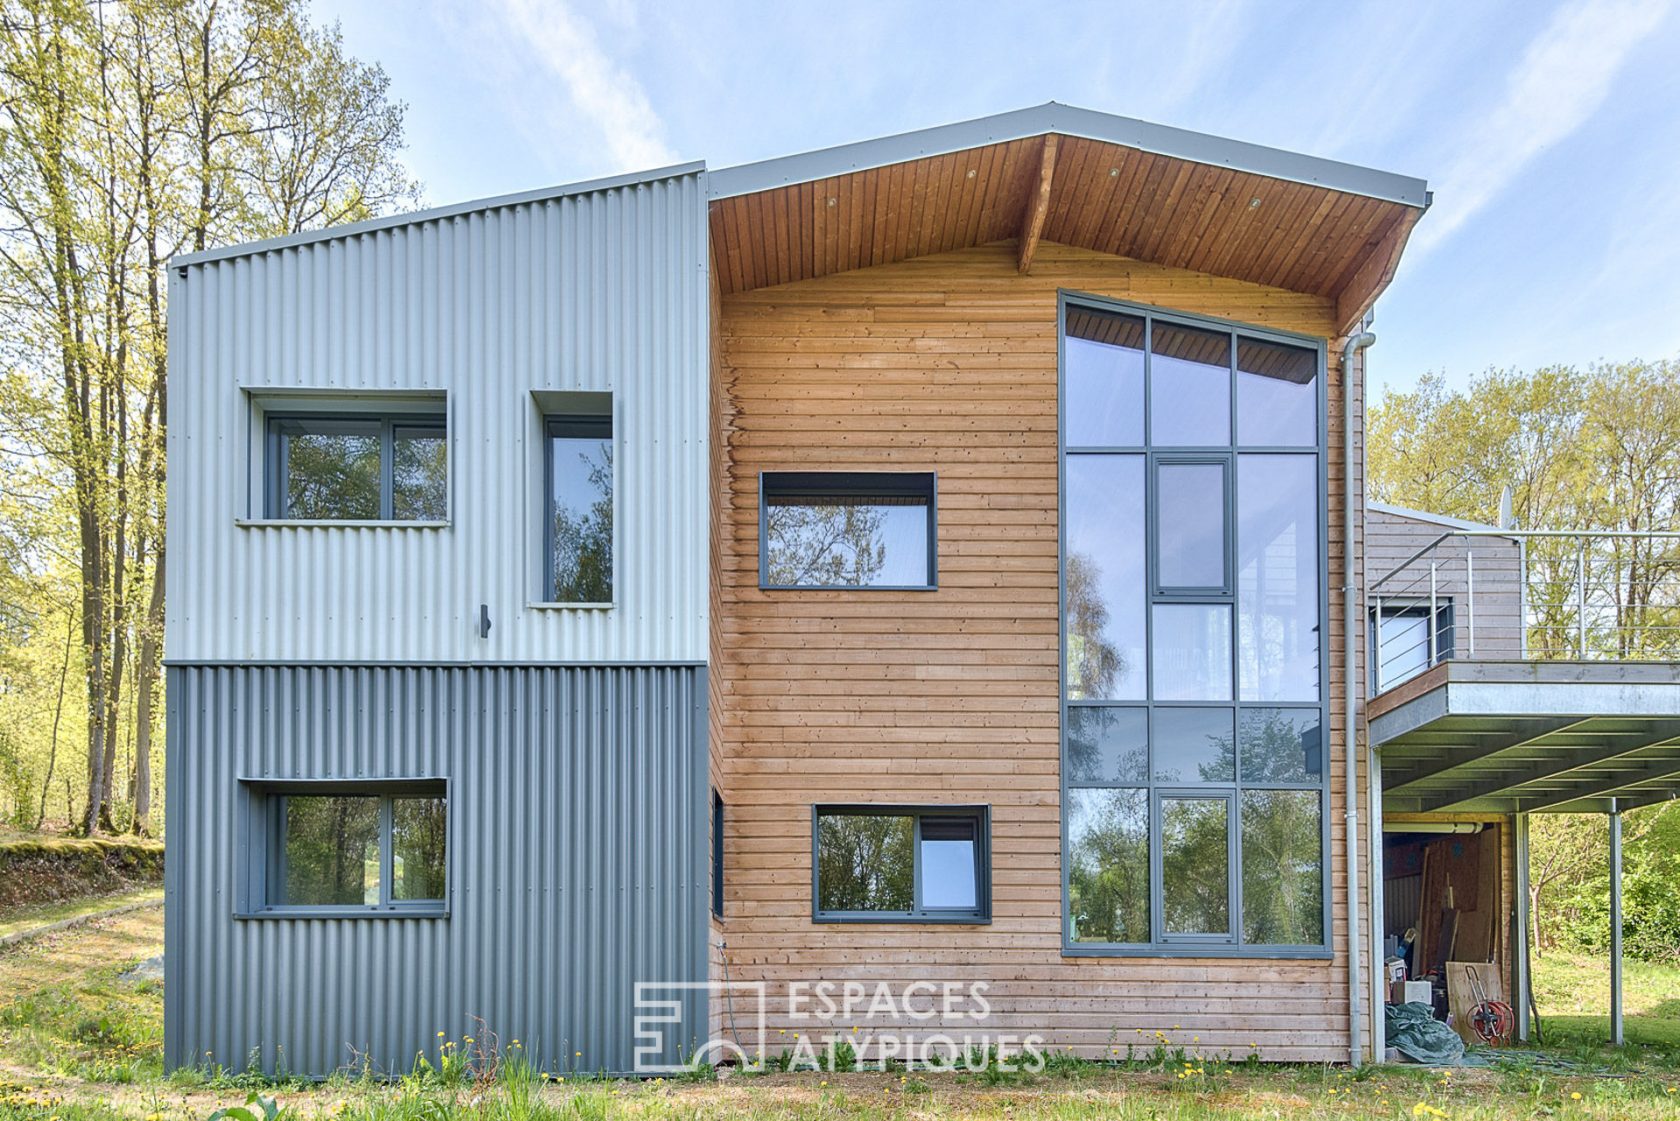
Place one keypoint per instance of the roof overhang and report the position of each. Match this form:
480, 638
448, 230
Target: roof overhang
1530, 737
1071, 121
1076, 177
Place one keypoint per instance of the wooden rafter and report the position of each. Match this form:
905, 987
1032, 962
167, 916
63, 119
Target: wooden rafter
1038, 205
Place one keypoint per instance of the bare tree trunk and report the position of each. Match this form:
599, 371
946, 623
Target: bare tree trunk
147, 671
1534, 918
58, 714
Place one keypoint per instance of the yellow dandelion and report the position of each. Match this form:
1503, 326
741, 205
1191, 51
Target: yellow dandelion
1576, 1096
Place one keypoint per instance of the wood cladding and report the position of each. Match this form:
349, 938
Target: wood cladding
947, 363
1072, 191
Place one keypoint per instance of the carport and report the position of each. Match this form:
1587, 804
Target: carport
1523, 737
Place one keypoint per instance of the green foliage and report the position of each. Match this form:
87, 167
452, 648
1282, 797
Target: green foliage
256, 1108
865, 862
131, 131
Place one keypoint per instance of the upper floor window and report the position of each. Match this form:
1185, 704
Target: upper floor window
847, 530
334, 466
579, 506
1193, 601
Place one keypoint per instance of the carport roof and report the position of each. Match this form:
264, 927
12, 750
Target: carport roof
1533, 737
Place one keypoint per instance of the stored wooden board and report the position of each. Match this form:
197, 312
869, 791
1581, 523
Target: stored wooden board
1461, 994
947, 363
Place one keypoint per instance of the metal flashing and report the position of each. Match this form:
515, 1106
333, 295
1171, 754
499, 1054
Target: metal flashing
436, 214
1067, 120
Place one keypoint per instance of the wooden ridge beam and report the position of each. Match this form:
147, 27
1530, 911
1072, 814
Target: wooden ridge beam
1038, 205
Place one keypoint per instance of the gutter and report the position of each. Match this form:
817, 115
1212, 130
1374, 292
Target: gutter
1350, 682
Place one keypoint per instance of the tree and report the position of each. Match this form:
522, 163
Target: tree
1591, 448
131, 130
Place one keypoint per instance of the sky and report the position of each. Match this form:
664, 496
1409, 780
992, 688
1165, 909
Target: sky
1548, 131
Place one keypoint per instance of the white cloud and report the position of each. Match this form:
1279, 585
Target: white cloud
562, 45
1557, 85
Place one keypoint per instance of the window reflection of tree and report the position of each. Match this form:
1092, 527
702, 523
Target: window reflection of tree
332, 475
1108, 875
583, 560
1195, 877
865, 863
825, 543
1282, 867
1094, 664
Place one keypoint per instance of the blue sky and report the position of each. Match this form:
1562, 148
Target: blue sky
1550, 132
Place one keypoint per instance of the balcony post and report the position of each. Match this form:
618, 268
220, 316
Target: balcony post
1581, 600
1433, 608
1616, 1036
1470, 598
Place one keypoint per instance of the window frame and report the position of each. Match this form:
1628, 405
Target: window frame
852, 484
264, 859
276, 459
717, 853
1410, 607
980, 815
1227, 454
550, 421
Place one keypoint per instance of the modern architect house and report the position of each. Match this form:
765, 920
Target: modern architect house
936, 559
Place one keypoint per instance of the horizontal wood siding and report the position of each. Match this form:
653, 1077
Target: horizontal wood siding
948, 364
1496, 617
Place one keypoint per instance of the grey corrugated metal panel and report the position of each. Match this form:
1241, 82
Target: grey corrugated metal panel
435, 214
576, 866
603, 291
1069, 120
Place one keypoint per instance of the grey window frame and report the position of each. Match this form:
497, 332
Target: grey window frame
1189, 593
1410, 608
717, 853
852, 484
979, 915
1231, 453
264, 847
574, 425
276, 458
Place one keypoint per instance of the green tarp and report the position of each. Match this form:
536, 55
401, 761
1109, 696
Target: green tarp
1414, 1031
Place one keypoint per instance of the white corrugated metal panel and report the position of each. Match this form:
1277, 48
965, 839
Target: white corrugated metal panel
576, 865
599, 291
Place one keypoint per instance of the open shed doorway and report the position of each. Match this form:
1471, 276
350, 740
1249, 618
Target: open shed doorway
1447, 897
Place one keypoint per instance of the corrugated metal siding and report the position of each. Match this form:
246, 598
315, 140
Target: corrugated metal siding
577, 865
604, 291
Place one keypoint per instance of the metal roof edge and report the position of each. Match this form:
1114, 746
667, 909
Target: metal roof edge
453, 210
1426, 516
1068, 120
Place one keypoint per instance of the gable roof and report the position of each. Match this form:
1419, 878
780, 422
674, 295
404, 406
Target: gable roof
1074, 176
1070, 121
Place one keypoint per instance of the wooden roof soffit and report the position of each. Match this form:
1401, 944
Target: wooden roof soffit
1038, 205
1374, 275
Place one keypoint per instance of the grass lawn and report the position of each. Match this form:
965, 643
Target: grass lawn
33, 915
1573, 992
79, 1042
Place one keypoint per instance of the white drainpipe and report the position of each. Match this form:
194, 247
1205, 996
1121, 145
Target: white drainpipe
1352, 633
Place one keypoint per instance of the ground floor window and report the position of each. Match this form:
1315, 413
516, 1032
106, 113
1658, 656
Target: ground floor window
902, 863
336, 846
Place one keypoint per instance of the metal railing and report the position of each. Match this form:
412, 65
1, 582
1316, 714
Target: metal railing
1545, 595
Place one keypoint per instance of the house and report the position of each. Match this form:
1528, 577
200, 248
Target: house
662, 608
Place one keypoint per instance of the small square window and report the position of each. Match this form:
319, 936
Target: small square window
346, 467
902, 864
340, 847
847, 530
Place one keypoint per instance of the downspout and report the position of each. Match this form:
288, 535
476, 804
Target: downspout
1351, 634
